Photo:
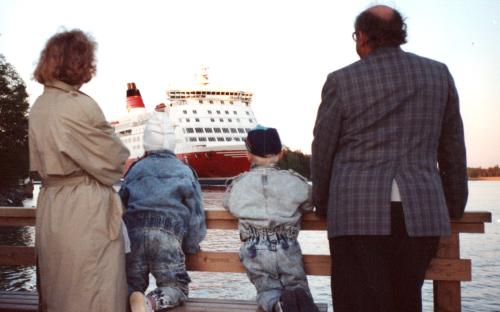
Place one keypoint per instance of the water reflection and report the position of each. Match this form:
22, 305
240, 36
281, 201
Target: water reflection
17, 278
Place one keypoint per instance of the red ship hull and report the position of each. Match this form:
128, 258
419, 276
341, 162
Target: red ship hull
212, 164
216, 164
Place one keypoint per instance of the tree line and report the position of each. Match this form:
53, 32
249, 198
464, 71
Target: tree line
478, 172
300, 162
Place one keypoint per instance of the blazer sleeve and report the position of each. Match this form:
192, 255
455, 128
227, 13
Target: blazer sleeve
324, 146
451, 155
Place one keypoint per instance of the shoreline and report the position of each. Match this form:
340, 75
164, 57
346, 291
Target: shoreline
485, 179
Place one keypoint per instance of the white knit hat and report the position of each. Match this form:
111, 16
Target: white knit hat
159, 133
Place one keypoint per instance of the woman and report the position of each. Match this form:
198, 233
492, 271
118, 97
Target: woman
79, 242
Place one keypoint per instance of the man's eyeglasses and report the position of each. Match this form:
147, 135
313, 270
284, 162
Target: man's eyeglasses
355, 36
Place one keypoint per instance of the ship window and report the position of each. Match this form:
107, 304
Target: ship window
221, 119
212, 119
231, 102
247, 130
225, 130
217, 130
184, 112
241, 130
189, 130
202, 139
211, 102
187, 120
233, 130
222, 102
236, 139
218, 112
198, 130
247, 113
208, 130
194, 111
187, 140
250, 120
229, 120
209, 111
192, 139
229, 139
211, 139
220, 139
197, 119
200, 101
227, 112
237, 120
183, 130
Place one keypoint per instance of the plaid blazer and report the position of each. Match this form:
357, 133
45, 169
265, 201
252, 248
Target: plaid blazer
391, 115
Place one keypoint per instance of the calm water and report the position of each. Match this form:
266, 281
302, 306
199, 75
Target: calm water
481, 294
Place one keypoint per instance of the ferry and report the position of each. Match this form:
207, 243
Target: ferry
210, 126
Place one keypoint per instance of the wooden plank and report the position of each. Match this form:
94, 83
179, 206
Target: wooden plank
449, 247
15, 301
472, 222
439, 269
17, 216
449, 270
230, 262
467, 227
17, 255
474, 217
223, 305
28, 301
447, 296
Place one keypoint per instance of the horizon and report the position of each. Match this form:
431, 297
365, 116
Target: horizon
281, 51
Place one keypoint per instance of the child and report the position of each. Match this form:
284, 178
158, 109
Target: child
269, 203
164, 218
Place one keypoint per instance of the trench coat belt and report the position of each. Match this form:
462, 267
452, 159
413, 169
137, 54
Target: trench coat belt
64, 180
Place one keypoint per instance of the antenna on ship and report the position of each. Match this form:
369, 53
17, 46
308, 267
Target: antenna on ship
203, 76
134, 98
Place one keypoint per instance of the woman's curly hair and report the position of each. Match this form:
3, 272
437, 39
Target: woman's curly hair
381, 32
68, 56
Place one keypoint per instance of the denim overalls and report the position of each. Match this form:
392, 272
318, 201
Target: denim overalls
268, 203
165, 219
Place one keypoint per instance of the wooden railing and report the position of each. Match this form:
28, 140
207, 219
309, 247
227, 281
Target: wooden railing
447, 269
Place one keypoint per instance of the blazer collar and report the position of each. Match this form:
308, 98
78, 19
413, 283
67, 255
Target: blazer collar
385, 51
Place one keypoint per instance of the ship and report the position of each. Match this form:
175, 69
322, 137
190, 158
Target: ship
210, 126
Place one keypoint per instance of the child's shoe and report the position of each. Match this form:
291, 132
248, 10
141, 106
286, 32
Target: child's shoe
289, 301
278, 307
304, 301
139, 302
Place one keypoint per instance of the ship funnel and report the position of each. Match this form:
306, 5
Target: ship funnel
134, 98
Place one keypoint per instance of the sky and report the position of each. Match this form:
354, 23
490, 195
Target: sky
281, 51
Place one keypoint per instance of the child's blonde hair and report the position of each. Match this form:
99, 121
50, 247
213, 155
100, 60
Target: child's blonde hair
264, 161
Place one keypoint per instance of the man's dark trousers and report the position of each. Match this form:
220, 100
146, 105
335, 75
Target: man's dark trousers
380, 273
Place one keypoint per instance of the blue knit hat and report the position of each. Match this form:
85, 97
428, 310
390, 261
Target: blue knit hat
263, 142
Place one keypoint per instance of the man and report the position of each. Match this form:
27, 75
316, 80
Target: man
388, 167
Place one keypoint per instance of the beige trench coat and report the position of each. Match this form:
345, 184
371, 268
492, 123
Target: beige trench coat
79, 242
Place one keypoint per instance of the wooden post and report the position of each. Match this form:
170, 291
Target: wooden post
447, 294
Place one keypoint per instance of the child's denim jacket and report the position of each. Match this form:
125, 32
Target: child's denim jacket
161, 191
267, 198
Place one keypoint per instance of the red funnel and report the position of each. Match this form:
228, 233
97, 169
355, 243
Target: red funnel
134, 98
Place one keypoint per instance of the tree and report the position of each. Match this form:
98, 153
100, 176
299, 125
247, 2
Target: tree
14, 159
296, 161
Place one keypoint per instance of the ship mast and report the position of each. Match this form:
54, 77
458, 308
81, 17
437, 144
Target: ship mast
203, 76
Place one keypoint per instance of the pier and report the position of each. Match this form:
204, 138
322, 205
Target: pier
447, 270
